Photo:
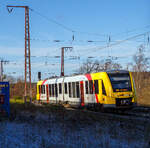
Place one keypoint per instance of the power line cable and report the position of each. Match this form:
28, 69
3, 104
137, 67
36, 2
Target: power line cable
129, 31
82, 32
64, 26
70, 41
130, 38
119, 42
53, 21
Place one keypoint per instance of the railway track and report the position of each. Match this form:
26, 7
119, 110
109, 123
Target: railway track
137, 113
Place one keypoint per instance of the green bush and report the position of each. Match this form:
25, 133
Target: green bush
17, 97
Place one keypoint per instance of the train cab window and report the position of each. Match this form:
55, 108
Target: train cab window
77, 90
73, 89
69, 84
96, 86
86, 87
120, 82
66, 88
52, 90
103, 89
56, 91
91, 86
60, 88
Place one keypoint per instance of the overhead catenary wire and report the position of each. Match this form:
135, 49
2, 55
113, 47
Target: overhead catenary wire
132, 30
73, 31
84, 32
64, 26
122, 41
118, 42
69, 41
51, 20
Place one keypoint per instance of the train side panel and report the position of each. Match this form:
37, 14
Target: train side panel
95, 88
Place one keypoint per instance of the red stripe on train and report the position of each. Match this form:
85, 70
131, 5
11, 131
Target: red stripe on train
40, 88
82, 93
89, 77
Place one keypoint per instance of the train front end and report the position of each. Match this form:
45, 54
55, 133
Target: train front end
122, 89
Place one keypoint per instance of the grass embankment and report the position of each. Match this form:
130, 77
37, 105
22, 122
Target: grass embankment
19, 105
60, 112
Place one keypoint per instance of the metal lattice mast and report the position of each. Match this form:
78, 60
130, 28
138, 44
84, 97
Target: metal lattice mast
27, 52
62, 59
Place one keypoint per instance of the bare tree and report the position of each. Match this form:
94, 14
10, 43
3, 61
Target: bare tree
140, 67
86, 67
141, 62
116, 66
95, 66
11, 79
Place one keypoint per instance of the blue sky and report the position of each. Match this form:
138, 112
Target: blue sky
88, 19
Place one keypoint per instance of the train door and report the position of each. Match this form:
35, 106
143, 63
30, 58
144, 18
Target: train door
100, 91
82, 93
56, 93
39, 89
47, 93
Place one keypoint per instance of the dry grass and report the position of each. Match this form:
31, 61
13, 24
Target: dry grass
18, 105
142, 81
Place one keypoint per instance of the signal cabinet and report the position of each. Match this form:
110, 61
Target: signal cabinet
4, 98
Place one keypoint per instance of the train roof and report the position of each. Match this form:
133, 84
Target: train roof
117, 71
75, 78
66, 79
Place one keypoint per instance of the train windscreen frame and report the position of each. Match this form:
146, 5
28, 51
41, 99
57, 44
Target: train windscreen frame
120, 82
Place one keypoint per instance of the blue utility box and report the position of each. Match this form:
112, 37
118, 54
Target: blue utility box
4, 98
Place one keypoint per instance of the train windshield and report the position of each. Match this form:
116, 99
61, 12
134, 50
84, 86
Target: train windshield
120, 82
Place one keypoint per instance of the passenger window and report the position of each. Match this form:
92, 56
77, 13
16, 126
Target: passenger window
86, 87
50, 90
96, 86
66, 88
56, 92
69, 90
73, 89
103, 89
77, 90
60, 88
91, 86
43, 89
